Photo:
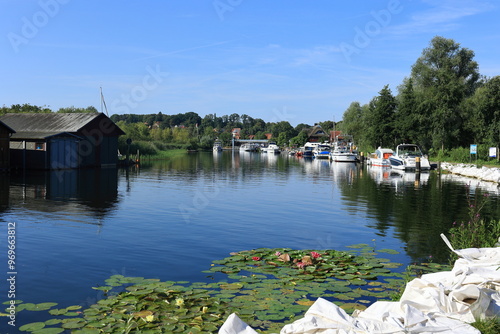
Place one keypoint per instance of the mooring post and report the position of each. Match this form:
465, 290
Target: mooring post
417, 164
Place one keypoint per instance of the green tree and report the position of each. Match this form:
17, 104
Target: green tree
353, 122
482, 110
381, 119
73, 109
444, 75
24, 108
300, 139
408, 122
226, 138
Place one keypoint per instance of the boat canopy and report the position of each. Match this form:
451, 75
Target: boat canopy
409, 149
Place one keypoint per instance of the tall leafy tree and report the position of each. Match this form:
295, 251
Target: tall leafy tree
380, 118
483, 114
410, 122
444, 75
353, 122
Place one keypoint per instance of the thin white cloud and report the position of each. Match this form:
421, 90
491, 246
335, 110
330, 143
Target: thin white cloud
442, 16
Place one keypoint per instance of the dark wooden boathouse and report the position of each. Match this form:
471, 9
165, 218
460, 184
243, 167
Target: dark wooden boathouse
5, 133
62, 140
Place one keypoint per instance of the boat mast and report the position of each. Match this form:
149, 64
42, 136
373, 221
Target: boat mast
103, 103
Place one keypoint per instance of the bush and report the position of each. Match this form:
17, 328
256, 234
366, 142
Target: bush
476, 232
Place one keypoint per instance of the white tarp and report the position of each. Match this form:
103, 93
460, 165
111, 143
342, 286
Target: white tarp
444, 302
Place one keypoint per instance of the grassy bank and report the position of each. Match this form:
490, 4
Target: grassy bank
164, 155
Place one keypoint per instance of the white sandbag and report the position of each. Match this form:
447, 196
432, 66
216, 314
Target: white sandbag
234, 325
443, 302
327, 318
322, 317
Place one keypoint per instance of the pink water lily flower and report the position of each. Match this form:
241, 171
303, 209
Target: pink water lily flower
315, 255
301, 265
256, 258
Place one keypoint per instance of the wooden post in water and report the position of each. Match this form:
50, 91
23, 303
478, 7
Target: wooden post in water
362, 157
417, 164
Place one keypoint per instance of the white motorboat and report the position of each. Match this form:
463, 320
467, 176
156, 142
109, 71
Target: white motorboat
405, 158
308, 149
217, 146
322, 151
272, 148
381, 157
249, 147
344, 149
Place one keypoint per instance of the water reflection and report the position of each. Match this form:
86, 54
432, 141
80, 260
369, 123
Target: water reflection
4, 192
90, 191
398, 179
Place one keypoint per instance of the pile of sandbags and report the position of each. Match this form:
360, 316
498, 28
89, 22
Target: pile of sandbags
443, 302
484, 173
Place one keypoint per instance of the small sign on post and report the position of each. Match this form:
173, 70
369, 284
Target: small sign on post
473, 150
493, 152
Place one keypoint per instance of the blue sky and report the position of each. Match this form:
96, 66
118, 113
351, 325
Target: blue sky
296, 61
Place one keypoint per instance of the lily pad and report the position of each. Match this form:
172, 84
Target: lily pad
32, 326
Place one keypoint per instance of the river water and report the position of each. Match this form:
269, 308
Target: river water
169, 219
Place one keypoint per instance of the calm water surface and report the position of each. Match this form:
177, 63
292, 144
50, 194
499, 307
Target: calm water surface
170, 219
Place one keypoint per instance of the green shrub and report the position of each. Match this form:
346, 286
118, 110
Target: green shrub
476, 232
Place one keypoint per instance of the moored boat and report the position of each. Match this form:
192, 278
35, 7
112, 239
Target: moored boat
272, 148
344, 149
381, 157
405, 158
322, 151
308, 150
217, 146
249, 147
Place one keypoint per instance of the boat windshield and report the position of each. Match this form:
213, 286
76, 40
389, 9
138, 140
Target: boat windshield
410, 150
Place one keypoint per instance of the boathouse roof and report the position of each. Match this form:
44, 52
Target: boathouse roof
8, 128
43, 125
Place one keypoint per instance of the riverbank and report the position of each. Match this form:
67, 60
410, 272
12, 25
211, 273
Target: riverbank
489, 174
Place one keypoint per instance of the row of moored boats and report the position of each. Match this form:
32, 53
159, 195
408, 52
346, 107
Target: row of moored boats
406, 157
341, 150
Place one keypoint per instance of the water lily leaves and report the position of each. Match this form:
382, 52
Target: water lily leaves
52, 322
350, 307
231, 286
142, 314
358, 246
32, 327
87, 331
51, 330
388, 251
9, 302
265, 287
305, 302
358, 281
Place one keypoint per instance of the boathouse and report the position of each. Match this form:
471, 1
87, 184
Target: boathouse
62, 140
5, 133
317, 134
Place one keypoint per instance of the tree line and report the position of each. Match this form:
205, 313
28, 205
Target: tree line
444, 104
28, 108
155, 132
190, 129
